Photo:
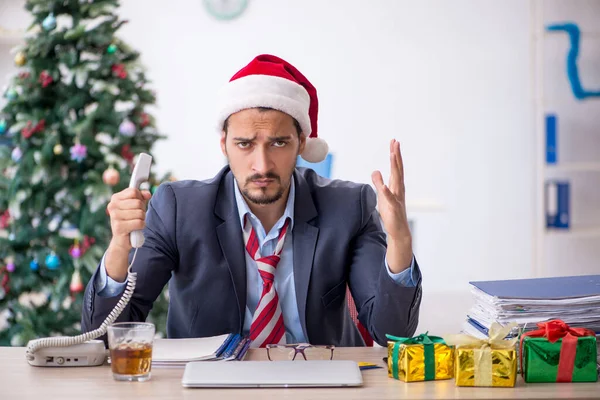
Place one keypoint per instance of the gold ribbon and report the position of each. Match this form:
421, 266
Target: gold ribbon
482, 349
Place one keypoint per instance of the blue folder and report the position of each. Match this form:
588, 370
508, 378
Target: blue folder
481, 328
563, 287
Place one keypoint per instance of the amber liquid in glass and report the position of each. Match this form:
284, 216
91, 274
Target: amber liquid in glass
131, 359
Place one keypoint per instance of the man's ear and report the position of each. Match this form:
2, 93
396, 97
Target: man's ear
223, 141
302, 139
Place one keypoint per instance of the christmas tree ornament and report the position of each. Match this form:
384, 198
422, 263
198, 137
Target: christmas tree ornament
4, 219
52, 261
10, 267
30, 129
11, 94
78, 152
24, 75
127, 154
3, 126
112, 49
144, 120
111, 176
87, 243
5, 280
119, 71
58, 149
127, 128
49, 22
34, 265
75, 250
76, 285
20, 59
45, 79
16, 154
27, 130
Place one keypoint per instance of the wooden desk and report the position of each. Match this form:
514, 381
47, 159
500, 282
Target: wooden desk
19, 380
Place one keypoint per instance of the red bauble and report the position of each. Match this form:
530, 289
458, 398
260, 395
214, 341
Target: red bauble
145, 120
127, 154
4, 219
45, 79
119, 70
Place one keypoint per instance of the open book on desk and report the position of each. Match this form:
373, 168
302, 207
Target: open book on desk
178, 352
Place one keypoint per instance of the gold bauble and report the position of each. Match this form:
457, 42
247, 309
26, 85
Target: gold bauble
58, 149
20, 59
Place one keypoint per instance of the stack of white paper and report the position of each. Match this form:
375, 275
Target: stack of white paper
572, 299
178, 352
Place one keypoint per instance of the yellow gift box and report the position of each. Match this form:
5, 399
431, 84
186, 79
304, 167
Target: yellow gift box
485, 362
421, 358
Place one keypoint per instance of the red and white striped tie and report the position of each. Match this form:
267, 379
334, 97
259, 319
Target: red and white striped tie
267, 323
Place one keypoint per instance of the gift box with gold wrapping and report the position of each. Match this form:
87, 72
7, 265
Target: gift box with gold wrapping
558, 353
421, 358
485, 362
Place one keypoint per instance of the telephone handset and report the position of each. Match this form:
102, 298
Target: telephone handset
83, 350
141, 173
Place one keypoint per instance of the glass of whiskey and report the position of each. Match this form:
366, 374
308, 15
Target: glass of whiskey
130, 345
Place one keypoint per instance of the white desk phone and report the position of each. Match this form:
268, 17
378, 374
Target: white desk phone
84, 350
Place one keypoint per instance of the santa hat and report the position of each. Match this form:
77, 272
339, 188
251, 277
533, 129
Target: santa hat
269, 81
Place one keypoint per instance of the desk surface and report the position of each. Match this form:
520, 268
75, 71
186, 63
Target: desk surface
19, 380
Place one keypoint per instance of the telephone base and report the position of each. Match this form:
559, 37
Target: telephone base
88, 354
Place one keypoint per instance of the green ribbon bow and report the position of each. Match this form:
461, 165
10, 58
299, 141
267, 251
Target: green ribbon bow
429, 352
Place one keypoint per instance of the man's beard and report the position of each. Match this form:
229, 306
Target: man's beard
263, 199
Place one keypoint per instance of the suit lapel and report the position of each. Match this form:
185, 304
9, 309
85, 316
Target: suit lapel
229, 234
305, 241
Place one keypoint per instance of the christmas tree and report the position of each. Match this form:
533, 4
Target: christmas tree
75, 117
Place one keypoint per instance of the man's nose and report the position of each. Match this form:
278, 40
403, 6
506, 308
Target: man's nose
262, 164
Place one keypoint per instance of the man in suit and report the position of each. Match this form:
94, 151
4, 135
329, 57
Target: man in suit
264, 248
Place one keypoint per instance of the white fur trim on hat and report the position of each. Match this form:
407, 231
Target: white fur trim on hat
264, 91
315, 150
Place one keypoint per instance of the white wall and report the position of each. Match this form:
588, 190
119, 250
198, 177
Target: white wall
450, 80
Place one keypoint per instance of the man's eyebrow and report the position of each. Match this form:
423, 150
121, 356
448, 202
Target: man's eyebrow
243, 139
281, 137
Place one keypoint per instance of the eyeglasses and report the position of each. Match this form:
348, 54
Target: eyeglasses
285, 352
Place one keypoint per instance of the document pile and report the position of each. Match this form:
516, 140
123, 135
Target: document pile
178, 352
573, 299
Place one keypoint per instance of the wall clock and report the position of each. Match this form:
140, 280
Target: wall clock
225, 9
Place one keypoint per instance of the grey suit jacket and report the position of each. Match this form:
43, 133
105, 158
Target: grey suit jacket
194, 242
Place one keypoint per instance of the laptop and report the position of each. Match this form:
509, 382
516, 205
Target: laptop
259, 374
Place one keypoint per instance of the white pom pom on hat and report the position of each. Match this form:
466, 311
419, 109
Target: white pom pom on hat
269, 81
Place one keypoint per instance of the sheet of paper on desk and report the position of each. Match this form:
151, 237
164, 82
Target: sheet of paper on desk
178, 352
